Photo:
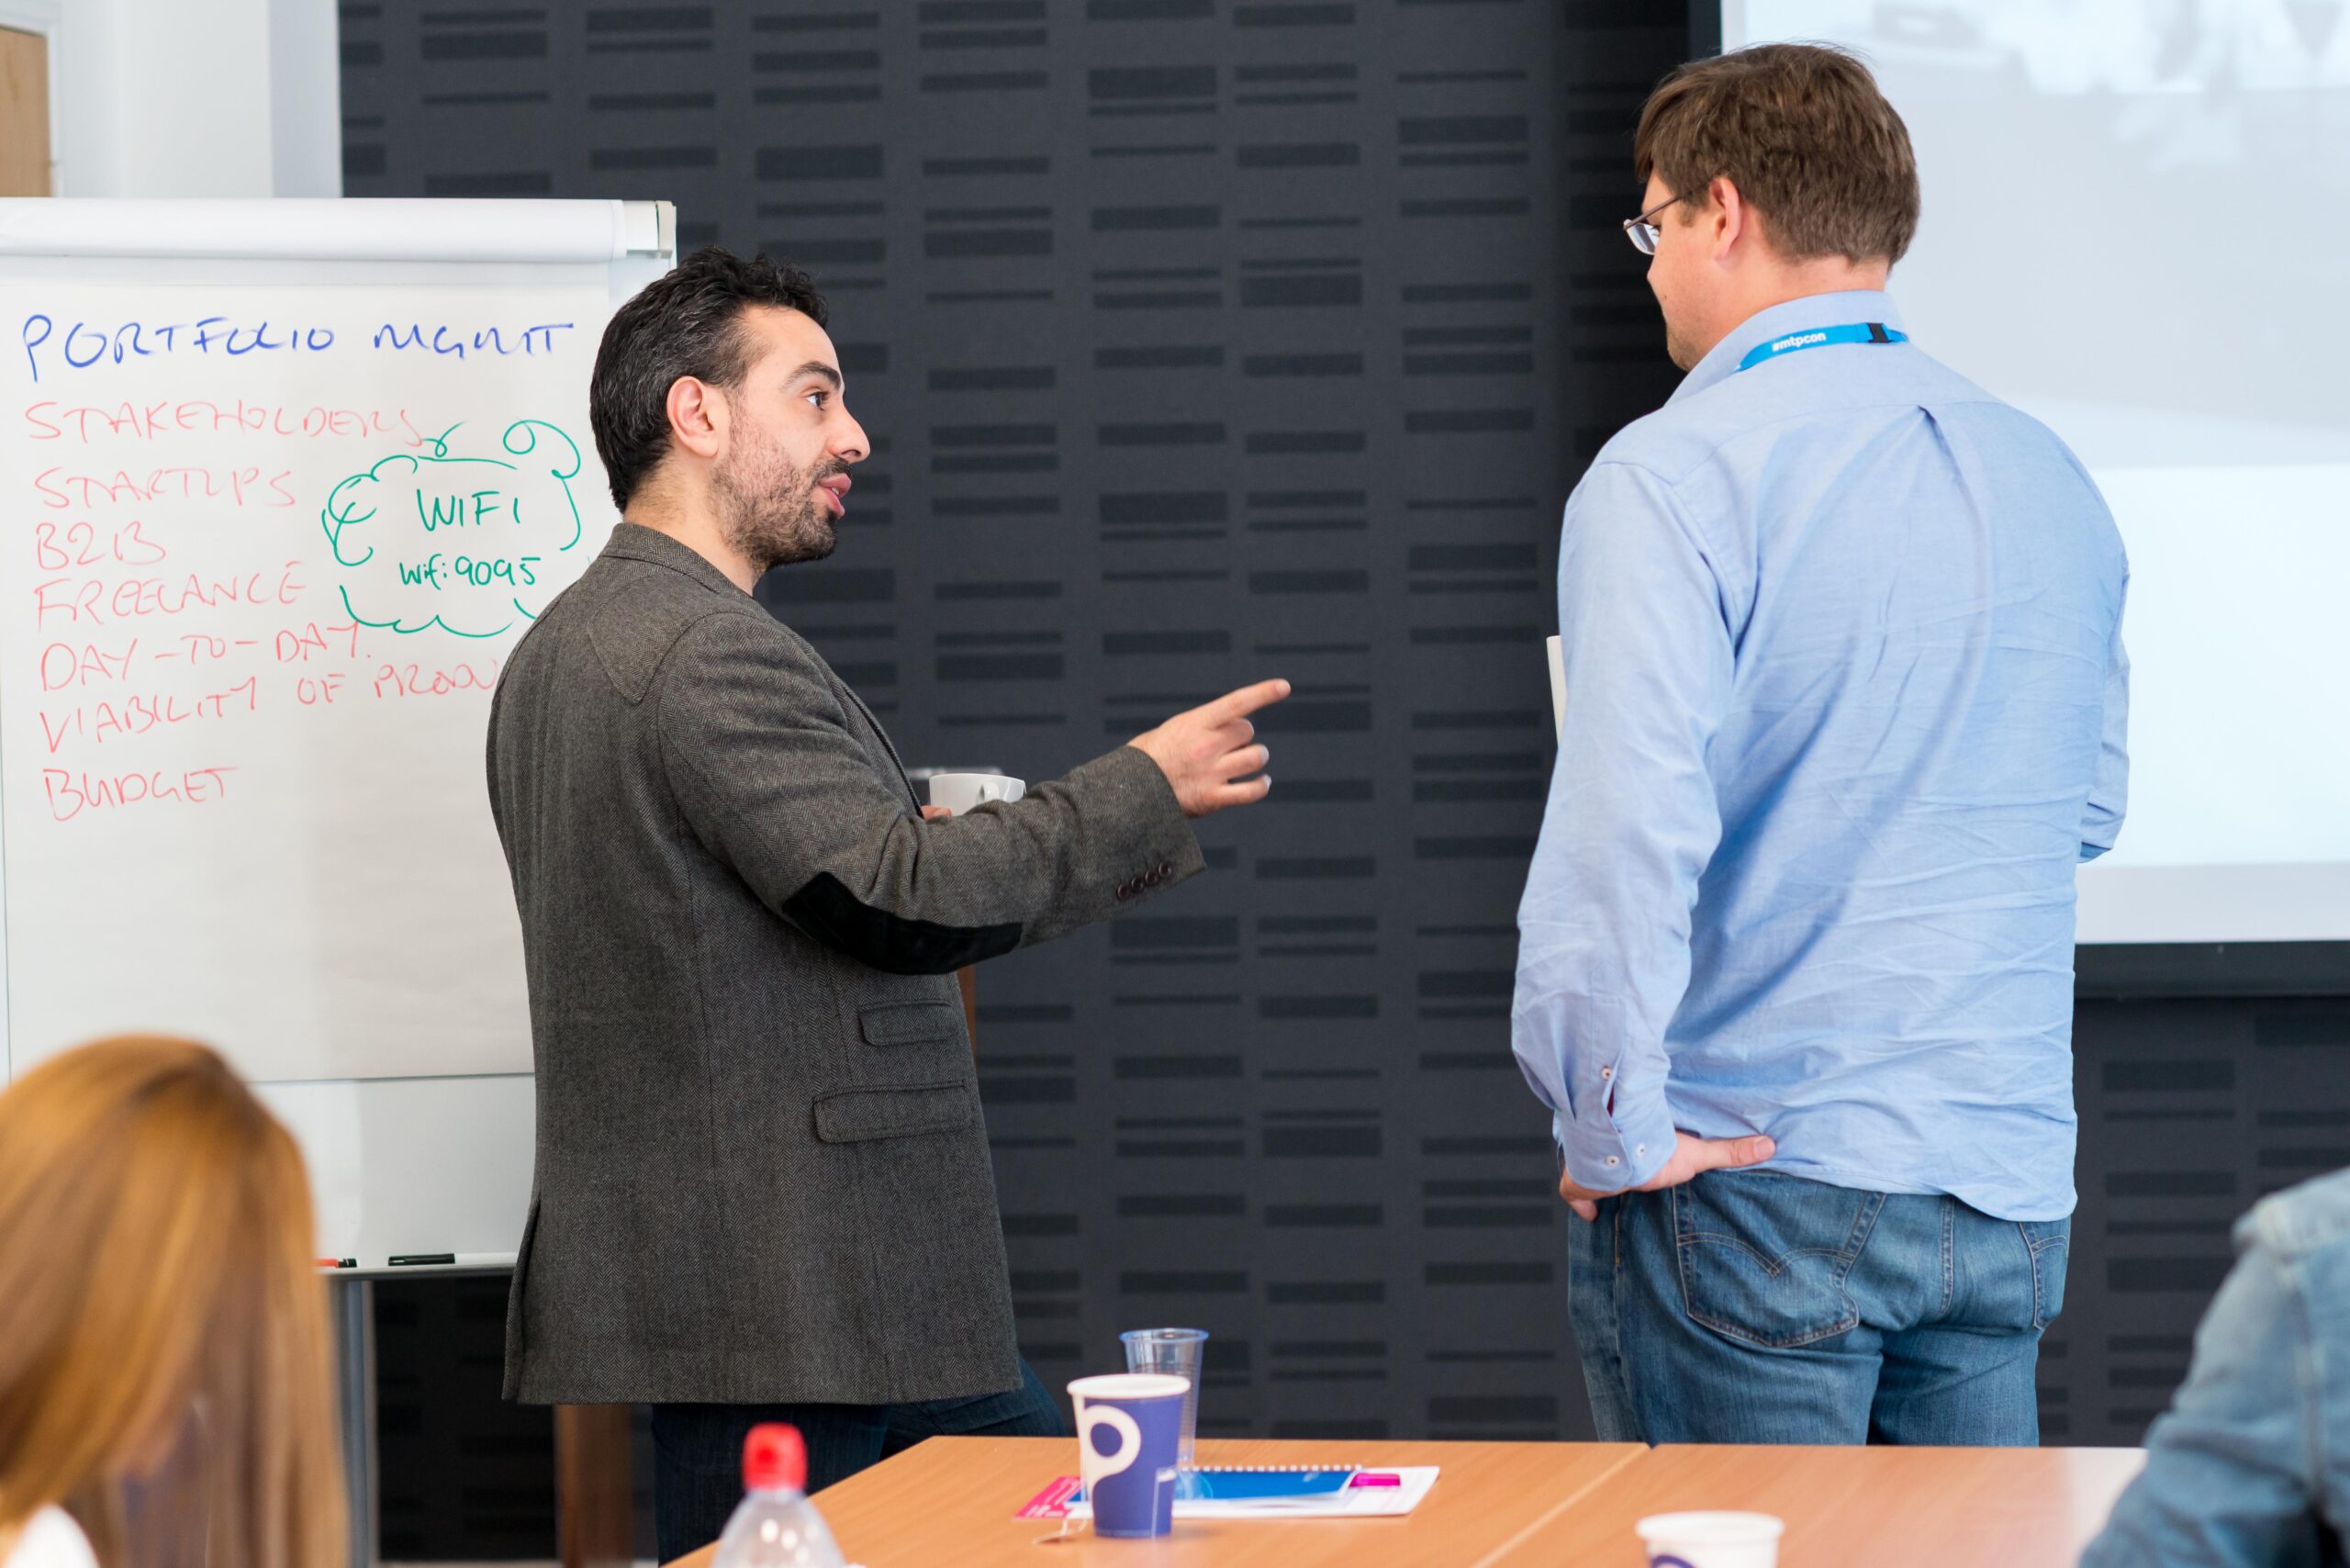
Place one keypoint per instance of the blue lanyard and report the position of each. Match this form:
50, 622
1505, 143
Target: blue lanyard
1819, 338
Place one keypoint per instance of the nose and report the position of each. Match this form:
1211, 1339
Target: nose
849, 445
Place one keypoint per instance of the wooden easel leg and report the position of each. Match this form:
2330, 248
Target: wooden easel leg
595, 1491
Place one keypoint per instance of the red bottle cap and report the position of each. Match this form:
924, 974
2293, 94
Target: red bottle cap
774, 1459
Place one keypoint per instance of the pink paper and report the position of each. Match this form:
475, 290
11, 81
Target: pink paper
1052, 1503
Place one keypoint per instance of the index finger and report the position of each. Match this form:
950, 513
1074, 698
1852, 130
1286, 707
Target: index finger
1248, 699
1726, 1153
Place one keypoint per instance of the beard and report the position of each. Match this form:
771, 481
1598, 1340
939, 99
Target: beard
768, 510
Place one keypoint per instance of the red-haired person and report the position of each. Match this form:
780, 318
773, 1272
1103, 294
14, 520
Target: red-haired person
164, 1355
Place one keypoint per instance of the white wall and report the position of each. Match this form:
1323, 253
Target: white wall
305, 98
191, 97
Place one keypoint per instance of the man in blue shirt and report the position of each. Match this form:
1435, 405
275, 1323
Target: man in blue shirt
1844, 706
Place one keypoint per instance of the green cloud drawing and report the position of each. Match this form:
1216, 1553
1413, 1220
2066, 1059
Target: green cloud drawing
436, 538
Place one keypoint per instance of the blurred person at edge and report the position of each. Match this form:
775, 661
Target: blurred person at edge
2244, 1469
164, 1354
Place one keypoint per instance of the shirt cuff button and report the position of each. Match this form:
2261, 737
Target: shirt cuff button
1613, 1161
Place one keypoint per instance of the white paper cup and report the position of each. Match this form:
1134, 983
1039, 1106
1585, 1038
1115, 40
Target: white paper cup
1711, 1539
959, 792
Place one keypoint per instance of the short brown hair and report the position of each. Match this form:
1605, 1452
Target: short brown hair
1802, 133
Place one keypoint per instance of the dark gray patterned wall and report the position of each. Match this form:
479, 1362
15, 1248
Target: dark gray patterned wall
1203, 340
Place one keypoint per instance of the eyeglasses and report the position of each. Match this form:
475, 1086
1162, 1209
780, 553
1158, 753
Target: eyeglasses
1642, 230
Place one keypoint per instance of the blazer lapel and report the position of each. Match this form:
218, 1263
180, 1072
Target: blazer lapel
888, 744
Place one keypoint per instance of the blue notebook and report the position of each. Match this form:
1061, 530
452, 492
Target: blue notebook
1267, 1485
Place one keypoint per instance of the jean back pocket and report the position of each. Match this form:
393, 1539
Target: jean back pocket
2046, 1242
1763, 1257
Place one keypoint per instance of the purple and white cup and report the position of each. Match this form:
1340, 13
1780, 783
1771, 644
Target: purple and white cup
1129, 1430
1716, 1539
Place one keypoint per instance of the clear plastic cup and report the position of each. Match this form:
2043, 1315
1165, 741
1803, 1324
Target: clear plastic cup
1175, 1351
1717, 1539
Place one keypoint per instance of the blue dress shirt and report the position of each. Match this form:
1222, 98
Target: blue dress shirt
1844, 706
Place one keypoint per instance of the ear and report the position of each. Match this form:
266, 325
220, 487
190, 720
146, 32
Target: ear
698, 414
1732, 222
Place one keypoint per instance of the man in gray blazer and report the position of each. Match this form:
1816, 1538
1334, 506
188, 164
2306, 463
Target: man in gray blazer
763, 1189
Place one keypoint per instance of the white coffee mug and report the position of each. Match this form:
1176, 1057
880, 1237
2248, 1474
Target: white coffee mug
959, 792
1717, 1539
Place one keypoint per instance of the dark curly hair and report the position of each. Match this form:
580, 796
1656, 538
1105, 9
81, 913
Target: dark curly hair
687, 322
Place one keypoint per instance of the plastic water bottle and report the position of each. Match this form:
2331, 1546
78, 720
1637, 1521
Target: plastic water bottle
776, 1526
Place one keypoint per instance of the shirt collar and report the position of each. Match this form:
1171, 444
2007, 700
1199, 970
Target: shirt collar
1796, 315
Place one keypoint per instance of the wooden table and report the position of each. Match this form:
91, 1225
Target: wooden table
1847, 1507
952, 1500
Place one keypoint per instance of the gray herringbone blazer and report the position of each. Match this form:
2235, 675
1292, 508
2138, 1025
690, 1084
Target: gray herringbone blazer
762, 1173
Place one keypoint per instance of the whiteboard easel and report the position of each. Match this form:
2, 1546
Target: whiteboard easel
349, 942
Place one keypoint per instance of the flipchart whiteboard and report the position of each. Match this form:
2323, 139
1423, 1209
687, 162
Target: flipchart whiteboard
285, 482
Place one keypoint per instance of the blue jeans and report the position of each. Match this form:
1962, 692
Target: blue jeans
1750, 1307
698, 1448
